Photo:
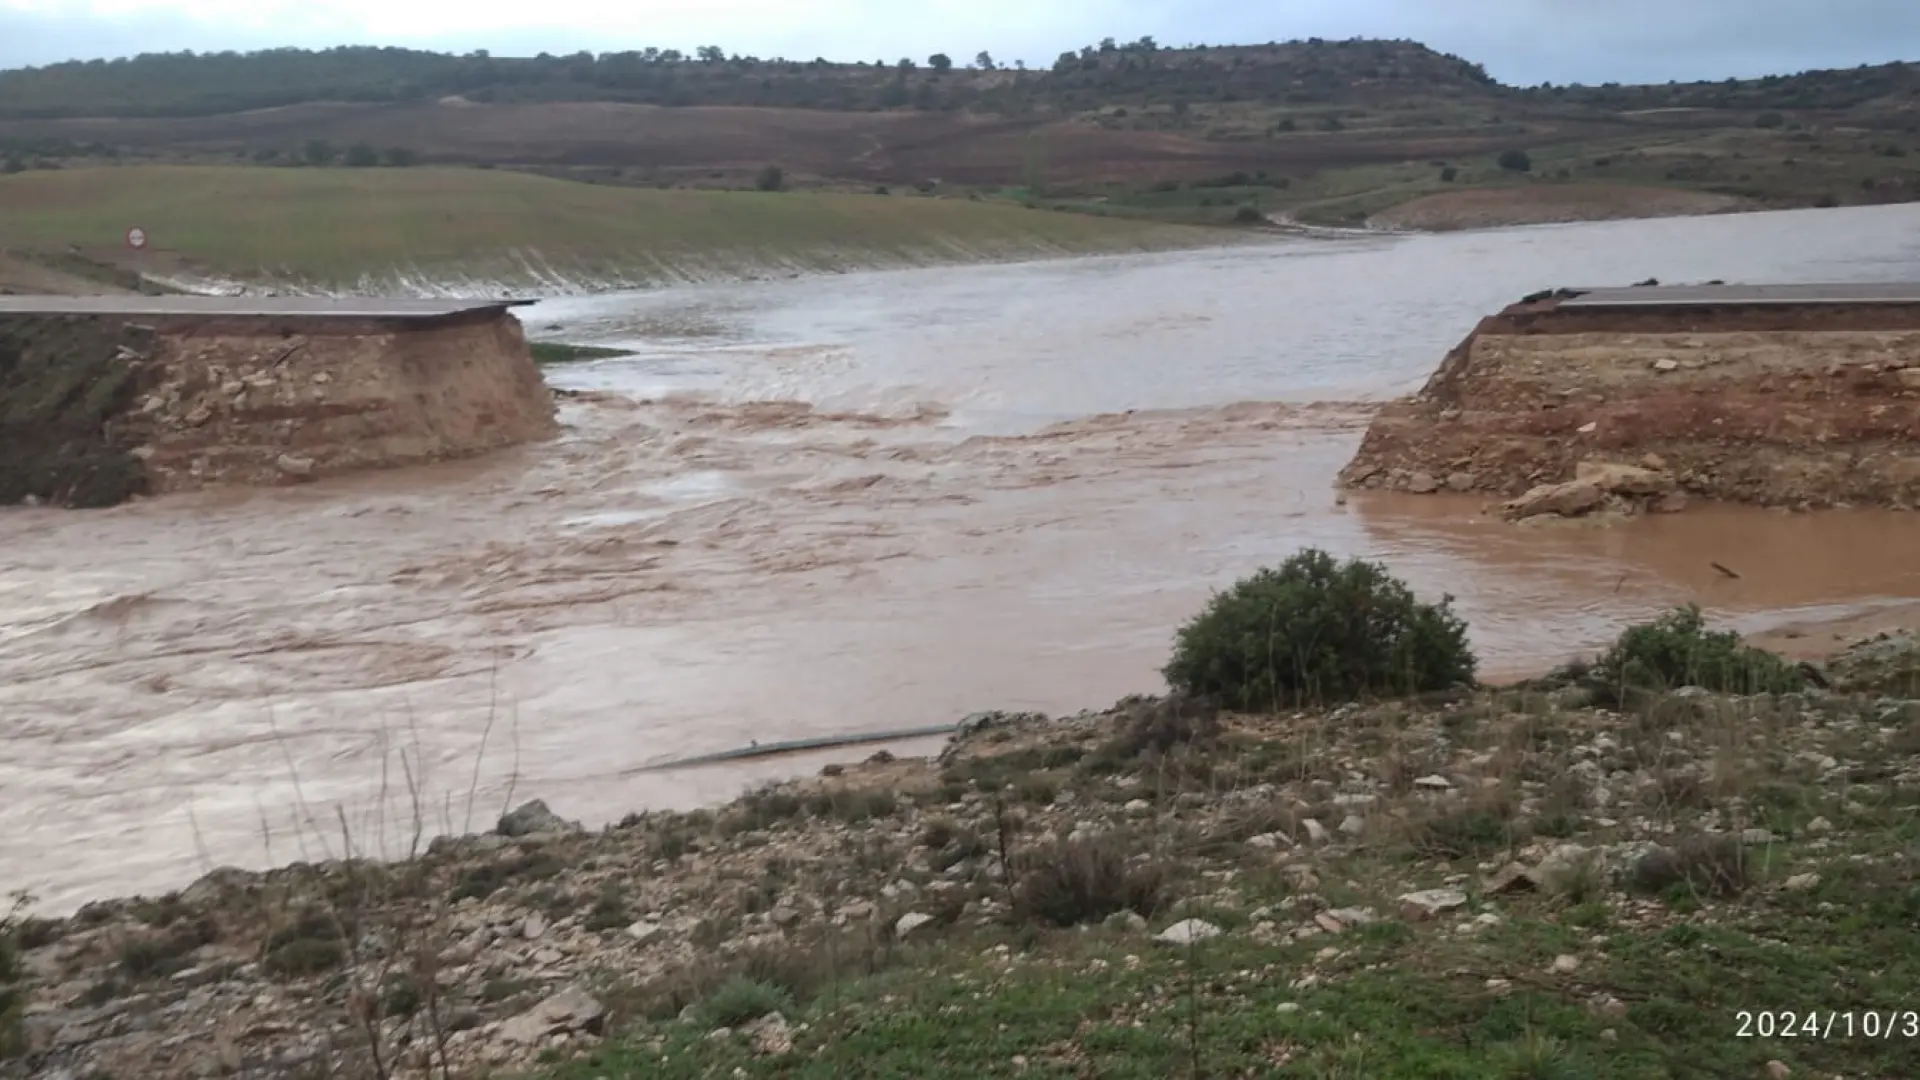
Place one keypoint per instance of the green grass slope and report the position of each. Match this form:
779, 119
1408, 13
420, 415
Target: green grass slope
360, 226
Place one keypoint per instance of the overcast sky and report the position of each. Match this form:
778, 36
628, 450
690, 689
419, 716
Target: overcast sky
1519, 41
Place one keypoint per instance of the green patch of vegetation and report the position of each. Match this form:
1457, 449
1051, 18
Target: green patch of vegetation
312, 942
740, 1001
61, 382
340, 225
553, 352
1317, 631
1403, 1003
1678, 650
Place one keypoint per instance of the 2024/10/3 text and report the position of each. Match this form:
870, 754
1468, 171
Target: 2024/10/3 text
1829, 1024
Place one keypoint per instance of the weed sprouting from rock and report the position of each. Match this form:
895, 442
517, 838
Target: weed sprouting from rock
1317, 631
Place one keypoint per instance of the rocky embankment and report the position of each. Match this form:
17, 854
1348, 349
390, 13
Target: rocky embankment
97, 408
540, 940
1568, 410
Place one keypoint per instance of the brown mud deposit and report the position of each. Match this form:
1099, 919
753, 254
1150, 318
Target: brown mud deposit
1776, 406
100, 407
1548, 204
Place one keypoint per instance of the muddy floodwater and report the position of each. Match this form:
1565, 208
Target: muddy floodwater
828, 505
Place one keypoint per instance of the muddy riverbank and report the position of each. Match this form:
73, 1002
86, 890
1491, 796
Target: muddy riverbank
870, 502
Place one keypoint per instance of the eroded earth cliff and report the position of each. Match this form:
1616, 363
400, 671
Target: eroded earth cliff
1793, 405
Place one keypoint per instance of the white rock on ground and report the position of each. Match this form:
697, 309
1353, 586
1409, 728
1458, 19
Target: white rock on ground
570, 1010
1187, 932
1428, 903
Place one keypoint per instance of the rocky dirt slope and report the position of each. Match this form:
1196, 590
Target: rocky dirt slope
99, 409
1453, 815
1797, 407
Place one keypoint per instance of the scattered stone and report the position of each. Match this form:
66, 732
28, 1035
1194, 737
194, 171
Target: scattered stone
1460, 481
1565, 964
1802, 882
292, 465
1287, 1007
571, 1010
1429, 903
1422, 484
645, 932
1665, 364
908, 923
1435, 782
533, 926
1316, 832
1511, 878
770, 1035
1187, 932
1819, 826
1138, 807
1354, 916
1778, 1070
1128, 921
1594, 483
1756, 837
1353, 825
534, 819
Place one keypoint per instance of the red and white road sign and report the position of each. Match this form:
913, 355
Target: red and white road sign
136, 238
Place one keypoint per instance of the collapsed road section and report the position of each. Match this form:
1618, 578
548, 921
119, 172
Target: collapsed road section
104, 398
1637, 398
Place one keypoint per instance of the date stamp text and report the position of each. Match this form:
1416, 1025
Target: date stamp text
1827, 1023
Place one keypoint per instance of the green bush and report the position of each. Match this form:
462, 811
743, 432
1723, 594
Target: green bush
1316, 631
1678, 650
740, 1001
1516, 161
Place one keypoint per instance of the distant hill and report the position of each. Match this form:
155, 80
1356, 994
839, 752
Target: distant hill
1313, 131
1141, 72
1356, 72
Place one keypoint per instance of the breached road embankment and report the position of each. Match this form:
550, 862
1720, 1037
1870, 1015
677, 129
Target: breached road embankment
1775, 404
108, 400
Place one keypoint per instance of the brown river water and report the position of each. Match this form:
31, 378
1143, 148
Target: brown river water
829, 505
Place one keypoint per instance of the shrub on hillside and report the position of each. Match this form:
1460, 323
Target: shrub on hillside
1678, 650
1315, 631
1070, 882
1516, 161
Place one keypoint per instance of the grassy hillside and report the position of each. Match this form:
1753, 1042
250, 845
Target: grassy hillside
338, 225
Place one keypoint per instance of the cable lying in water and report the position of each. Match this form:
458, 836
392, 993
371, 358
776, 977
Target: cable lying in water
794, 746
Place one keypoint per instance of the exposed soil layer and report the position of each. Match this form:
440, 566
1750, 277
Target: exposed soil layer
1779, 405
99, 409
